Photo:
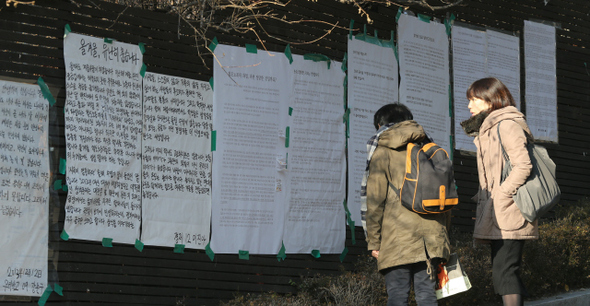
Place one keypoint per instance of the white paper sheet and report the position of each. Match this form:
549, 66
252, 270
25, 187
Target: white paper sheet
469, 65
424, 75
317, 161
541, 80
503, 61
24, 192
176, 184
372, 83
251, 96
103, 121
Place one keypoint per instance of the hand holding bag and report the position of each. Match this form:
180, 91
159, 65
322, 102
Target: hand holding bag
540, 193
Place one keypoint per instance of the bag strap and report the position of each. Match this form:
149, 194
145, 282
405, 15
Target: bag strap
504, 154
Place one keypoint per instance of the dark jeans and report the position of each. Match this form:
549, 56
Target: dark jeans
398, 281
506, 262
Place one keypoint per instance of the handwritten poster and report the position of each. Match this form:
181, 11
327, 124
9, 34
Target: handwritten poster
176, 201
503, 61
372, 83
24, 192
469, 65
424, 75
250, 113
317, 160
103, 121
541, 80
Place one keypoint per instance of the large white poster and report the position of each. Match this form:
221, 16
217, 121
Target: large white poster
469, 65
424, 75
176, 184
24, 192
503, 61
541, 80
317, 160
103, 120
372, 83
251, 96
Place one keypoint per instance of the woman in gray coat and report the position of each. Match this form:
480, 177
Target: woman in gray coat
498, 220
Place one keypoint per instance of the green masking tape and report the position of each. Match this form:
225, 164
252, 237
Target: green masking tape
141, 47
344, 66
290, 111
449, 24
64, 235
282, 255
245, 255
213, 44
179, 248
317, 58
250, 48
209, 252
389, 43
45, 296
142, 70
107, 242
45, 91
211, 83
343, 254
286, 160
315, 253
67, 30
139, 245
58, 289
57, 185
213, 141
399, 13
108, 40
350, 28
286, 137
424, 18
288, 53
64, 188
62, 166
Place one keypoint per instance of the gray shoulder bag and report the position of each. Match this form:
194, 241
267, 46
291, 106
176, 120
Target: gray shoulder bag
540, 193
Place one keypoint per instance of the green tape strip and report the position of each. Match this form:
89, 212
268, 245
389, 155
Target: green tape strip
65, 188
348, 215
316, 253
290, 111
344, 66
108, 40
67, 30
179, 248
389, 43
245, 255
399, 13
62, 166
58, 289
287, 137
286, 160
449, 23
209, 252
143, 70
57, 185
211, 83
45, 91
317, 58
139, 245
250, 48
343, 254
351, 225
346, 119
45, 296
282, 255
424, 18
288, 53
107, 242
350, 28
213, 44
64, 235
213, 141
141, 47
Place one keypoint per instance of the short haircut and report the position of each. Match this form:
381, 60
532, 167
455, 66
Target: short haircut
391, 113
492, 91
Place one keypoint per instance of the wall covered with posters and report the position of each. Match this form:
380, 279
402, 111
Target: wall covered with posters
134, 170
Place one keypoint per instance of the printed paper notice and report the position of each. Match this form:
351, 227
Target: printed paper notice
317, 160
372, 83
250, 114
424, 74
103, 121
541, 80
176, 198
24, 192
503, 61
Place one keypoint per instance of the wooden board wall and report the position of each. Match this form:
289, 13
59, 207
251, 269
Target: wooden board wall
31, 46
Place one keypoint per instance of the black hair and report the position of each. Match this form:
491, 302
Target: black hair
391, 113
492, 91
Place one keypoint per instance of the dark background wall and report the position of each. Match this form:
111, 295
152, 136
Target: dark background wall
31, 46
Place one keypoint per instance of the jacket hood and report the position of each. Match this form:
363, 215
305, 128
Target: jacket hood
400, 134
506, 113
